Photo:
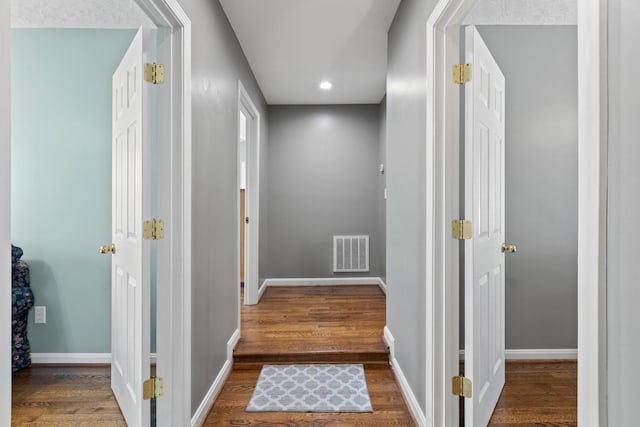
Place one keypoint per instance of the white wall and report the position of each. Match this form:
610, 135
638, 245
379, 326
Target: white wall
623, 289
5, 268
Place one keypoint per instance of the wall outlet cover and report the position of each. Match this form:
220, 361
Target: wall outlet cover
40, 314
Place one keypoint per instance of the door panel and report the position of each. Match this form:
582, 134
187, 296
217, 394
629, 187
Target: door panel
130, 334
484, 203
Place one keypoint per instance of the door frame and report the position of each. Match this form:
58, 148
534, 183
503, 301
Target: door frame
174, 206
173, 340
5, 213
442, 159
252, 199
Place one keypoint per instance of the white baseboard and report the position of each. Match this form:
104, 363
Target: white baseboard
541, 354
261, 289
231, 344
538, 354
76, 358
201, 413
409, 396
324, 281
389, 340
71, 358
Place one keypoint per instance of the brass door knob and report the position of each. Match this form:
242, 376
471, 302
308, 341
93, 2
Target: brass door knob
509, 248
108, 248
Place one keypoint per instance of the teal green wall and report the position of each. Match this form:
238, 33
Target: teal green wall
61, 179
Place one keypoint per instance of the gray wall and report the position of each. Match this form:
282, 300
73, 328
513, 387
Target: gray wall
541, 177
382, 184
217, 64
623, 292
323, 180
406, 204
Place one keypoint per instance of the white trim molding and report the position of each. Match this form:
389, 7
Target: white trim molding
592, 212
323, 281
205, 406
71, 358
538, 354
77, 358
418, 416
174, 207
542, 354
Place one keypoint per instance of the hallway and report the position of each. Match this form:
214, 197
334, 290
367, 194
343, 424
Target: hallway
327, 324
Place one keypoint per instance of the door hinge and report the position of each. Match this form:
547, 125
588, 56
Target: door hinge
461, 73
153, 229
154, 73
461, 386
153, 388
461, 229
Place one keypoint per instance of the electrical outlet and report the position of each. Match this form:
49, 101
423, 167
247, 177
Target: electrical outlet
41, 314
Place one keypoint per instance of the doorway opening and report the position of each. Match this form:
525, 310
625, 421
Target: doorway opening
83, 136
535, 304
248, 167
443, 38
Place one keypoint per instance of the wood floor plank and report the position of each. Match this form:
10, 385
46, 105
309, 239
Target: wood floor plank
64, 396
386, 399
320, 324
540, 393
536, 393
328, 324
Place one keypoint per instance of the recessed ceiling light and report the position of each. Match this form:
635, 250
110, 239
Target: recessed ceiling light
326, 85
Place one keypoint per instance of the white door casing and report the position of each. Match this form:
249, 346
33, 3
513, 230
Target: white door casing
484, 204
130, 298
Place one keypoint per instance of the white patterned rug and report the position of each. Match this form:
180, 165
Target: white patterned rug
311, 388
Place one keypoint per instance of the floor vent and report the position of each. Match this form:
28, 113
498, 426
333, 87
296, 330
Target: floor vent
350, 254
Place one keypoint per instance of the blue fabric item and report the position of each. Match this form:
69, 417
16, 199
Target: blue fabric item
22, 300
16, 254
20, 275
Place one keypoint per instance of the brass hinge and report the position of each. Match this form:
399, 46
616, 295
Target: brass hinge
461, 73
153, 388
461, 229
153, 229
154, 73
461, 386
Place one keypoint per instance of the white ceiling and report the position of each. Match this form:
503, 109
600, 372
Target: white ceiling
524, 12
110, 14
292, 45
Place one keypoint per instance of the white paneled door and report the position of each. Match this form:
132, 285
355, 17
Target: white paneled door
484, 203
130, 284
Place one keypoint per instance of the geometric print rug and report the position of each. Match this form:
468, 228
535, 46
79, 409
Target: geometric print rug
311, 388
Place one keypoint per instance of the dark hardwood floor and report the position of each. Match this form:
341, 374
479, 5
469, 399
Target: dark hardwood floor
64, 396
386, 399
538, 393
314, 324
327, 324
298, 325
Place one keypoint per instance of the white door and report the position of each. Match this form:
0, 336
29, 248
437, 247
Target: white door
484, 205
130, 313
